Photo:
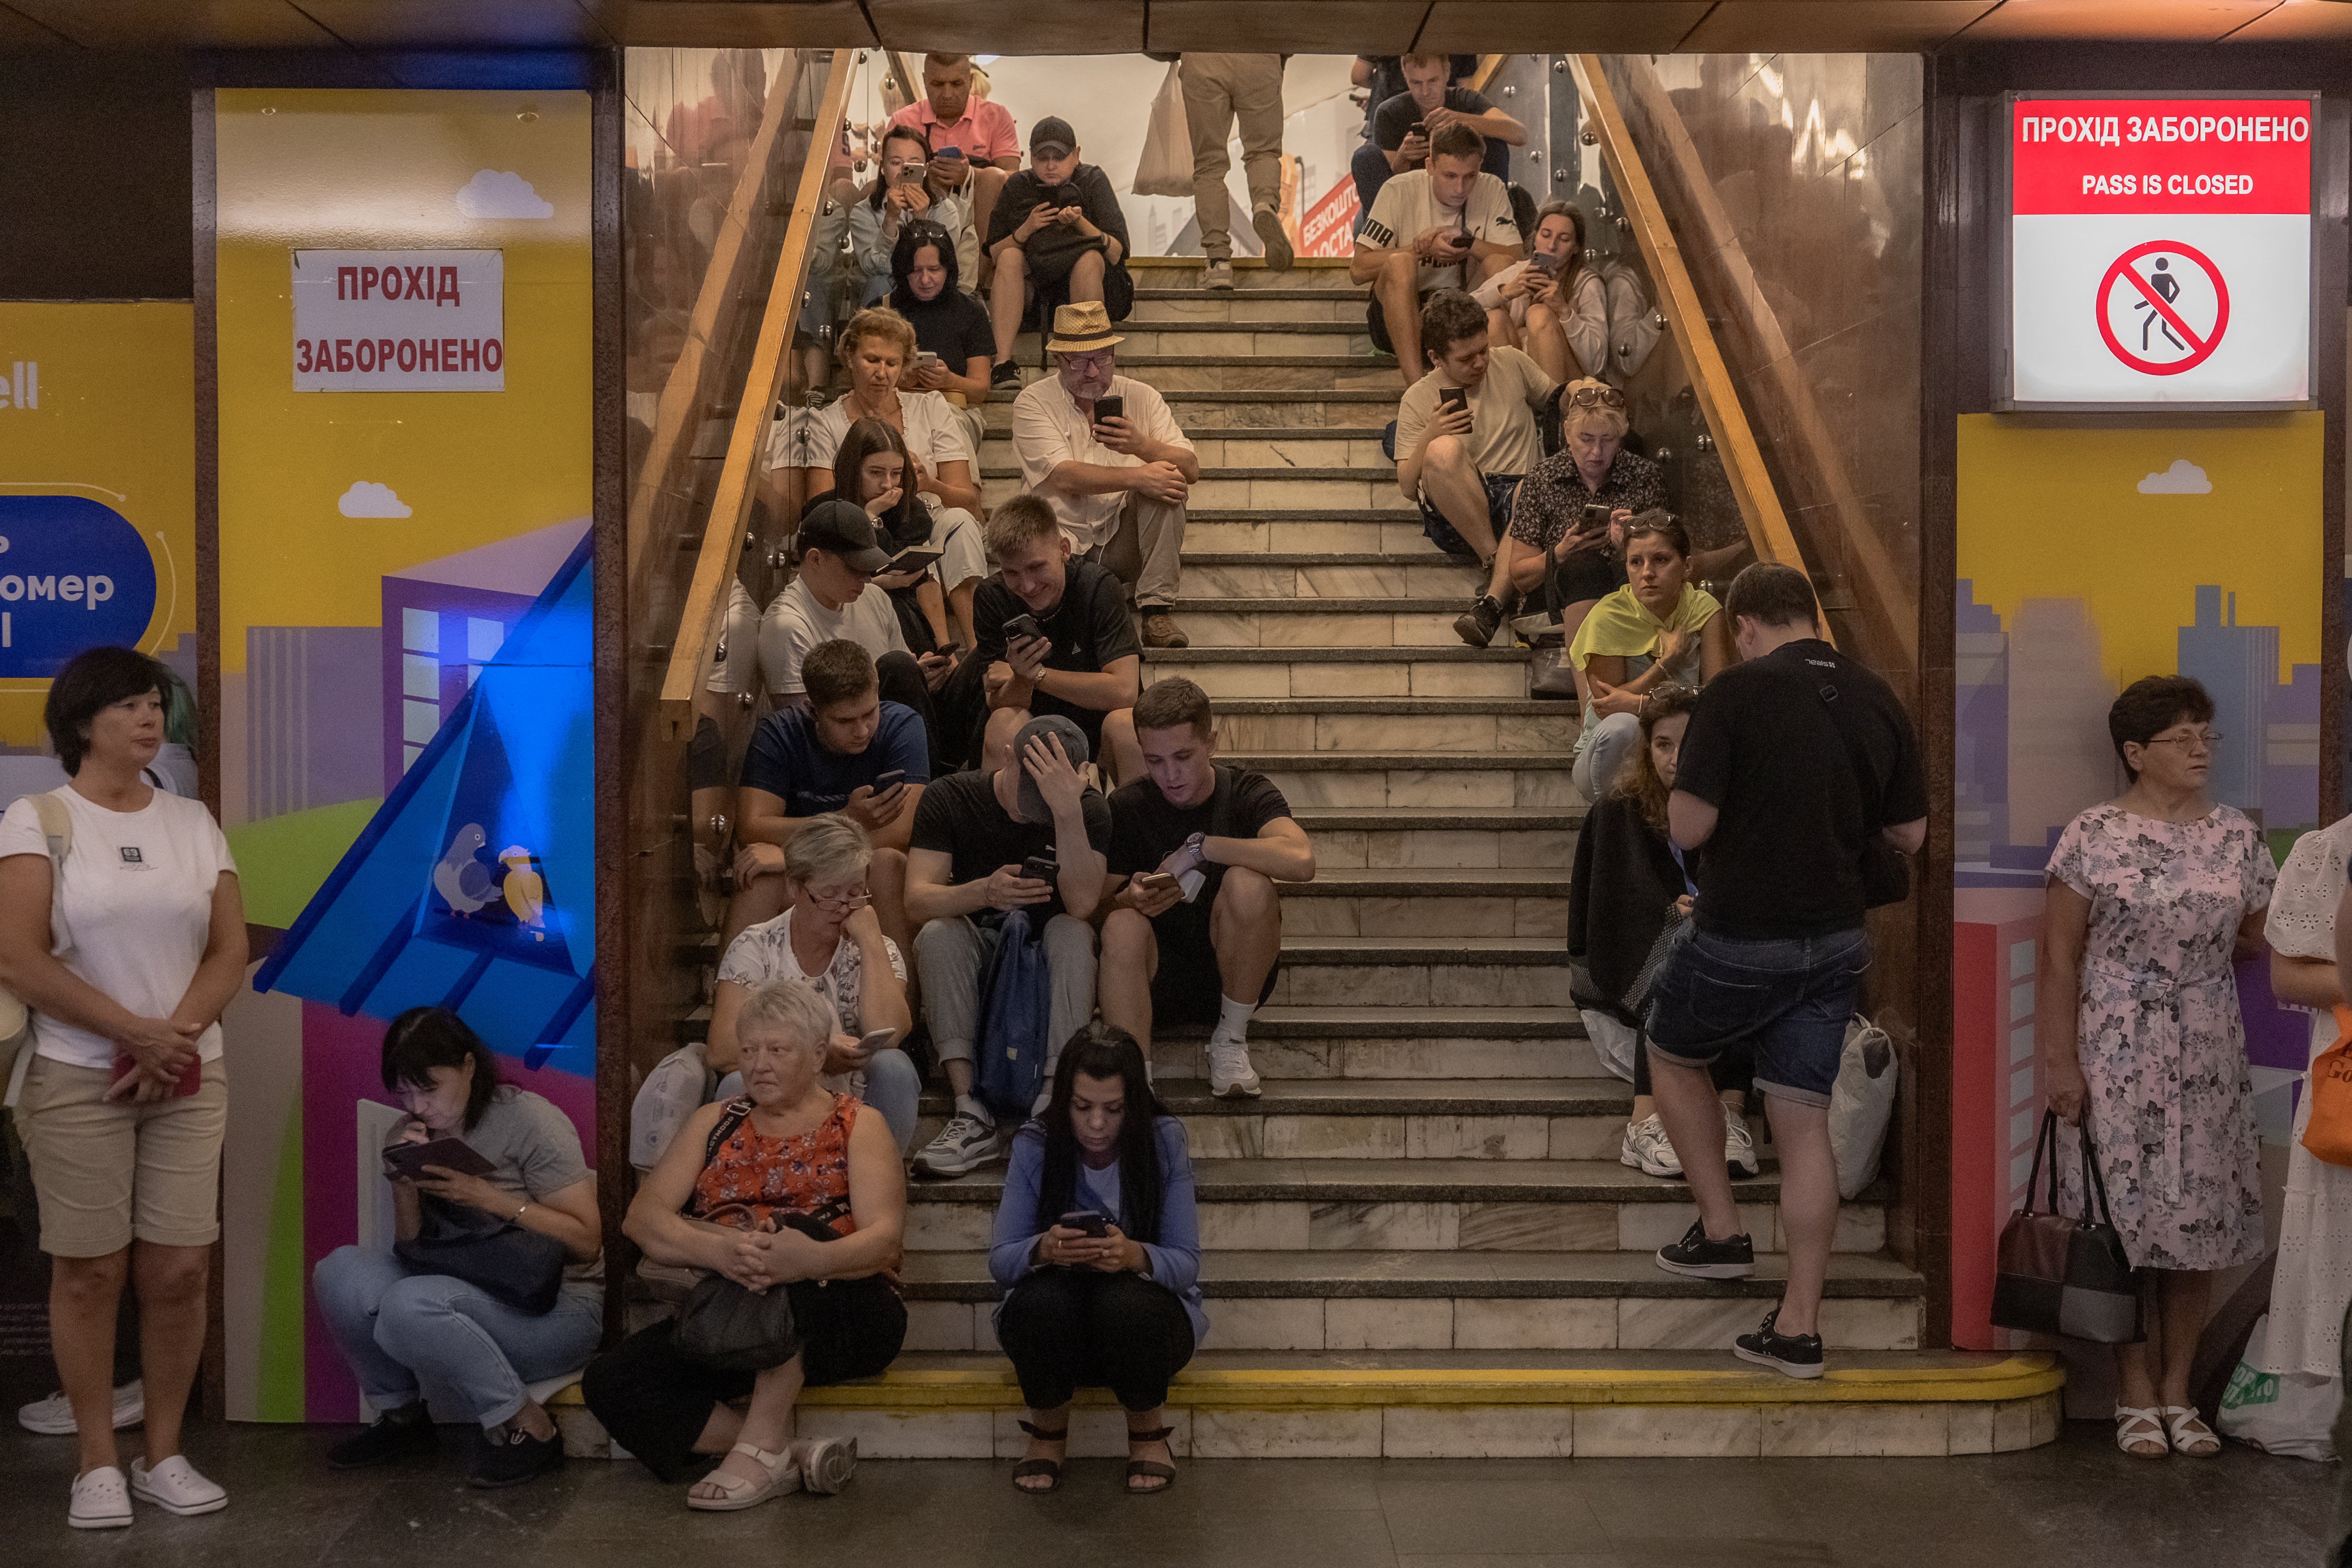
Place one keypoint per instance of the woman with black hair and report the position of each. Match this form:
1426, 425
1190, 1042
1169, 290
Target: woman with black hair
901, 197
122, 929
952, 327
400, 1329
1097, 1251
870, 468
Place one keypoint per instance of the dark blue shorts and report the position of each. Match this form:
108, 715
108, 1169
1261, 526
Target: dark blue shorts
1500, 487
1787, 997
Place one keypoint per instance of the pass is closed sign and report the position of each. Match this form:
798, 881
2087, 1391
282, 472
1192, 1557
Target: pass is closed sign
400, 320
2159, 252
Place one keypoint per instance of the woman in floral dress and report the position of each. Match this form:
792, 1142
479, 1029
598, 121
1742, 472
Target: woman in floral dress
2150, 897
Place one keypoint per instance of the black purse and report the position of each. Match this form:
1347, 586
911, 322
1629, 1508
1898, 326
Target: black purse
2063, 1276
728, 1325
519, 1268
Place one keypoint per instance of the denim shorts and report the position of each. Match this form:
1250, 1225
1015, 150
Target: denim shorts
1787, 998
1500, 487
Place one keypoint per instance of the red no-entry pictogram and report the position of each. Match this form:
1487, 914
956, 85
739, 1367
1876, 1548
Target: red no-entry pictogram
2157, 291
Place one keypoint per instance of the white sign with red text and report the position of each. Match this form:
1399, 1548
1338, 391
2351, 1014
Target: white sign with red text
2160, 251
400, 320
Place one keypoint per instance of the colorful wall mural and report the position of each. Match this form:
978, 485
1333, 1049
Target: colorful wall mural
2090, 555
406, 761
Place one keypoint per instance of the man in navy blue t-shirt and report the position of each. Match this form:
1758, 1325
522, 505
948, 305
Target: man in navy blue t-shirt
847, 750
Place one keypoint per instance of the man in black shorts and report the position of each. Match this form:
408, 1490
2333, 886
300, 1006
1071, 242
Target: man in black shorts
1194, 929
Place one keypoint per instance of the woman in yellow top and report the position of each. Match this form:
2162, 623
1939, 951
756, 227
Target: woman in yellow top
1657, 630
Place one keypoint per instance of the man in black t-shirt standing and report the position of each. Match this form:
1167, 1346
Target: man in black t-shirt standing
1194, 928
1082, 660
1798, 767
1430, 100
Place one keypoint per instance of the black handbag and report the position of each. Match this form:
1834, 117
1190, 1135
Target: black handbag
519, 1268
728, 1325
2063, 1276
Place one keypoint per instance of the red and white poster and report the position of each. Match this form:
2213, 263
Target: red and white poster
400, 320
2160, 251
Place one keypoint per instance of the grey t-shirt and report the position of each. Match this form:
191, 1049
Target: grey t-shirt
536, 1151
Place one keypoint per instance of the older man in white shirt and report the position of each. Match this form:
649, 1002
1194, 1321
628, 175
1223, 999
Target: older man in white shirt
1117, 482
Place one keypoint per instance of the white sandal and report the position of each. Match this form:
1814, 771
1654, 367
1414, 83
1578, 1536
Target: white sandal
2189, 1432
825, 1464
101, 1499
783, 1476
2140, 1423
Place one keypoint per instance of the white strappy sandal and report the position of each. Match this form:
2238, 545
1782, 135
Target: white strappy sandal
782, 1476
2139, 1424
2189, 1434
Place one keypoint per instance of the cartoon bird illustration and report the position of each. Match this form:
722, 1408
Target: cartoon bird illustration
461, 878
526, 890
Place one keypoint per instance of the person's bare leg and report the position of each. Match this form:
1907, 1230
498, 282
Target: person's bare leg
1154, 1450
85, 1293
1397, 288
1245, 931
1120, 748
2138, 1365
1131, 959
1546, 343
1057, 1421
760, 898
1086, 278
886, 879
1694, 1121
767, 1425
987, 183
1500, 330
1008, 296
719, 1432
170, 1282
2185, 1293
1452, 483
1809, 1203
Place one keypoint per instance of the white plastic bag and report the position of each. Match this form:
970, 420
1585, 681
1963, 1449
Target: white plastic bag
2291, 1415
1166, 167
1862, 1102
1613, 1042
678, 1086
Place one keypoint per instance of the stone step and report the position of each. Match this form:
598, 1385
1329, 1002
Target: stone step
1237, 377
1213, 407
1340, 447
1396, 723
1261, 490
1303, 1045
1531, 781
1435, 837
1367, 623
1427, 1405
1155, 307
1513, 901
1306, 574
1264, 672
1160, 275
1323, 530
1402, 1300
1417, 1205
1339, 331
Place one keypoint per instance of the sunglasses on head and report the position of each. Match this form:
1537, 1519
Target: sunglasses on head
1601, 397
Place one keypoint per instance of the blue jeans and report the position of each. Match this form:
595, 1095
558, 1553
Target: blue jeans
1500, 489
1789, 996
400, 1330
893, 1090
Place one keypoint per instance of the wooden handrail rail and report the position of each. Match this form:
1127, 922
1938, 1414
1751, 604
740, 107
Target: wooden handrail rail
730, 505
1743, 460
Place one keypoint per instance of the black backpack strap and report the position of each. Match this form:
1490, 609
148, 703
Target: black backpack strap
1865, 786
737, 1110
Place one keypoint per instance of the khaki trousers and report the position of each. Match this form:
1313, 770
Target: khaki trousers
1219, 89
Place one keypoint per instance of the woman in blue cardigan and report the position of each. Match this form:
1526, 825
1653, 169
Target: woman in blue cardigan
1111, 1298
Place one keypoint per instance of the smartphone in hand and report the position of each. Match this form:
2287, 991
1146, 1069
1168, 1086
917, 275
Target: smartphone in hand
1452, 397
1596, 518
1023, 626
1109, 409
1040, 868
1088, 1221
450, 1154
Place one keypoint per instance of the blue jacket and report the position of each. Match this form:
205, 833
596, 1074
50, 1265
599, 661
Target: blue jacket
1175, 1256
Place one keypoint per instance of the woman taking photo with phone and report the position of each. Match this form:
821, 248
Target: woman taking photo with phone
1096, 1254
901, 198
122, 929
514, 1171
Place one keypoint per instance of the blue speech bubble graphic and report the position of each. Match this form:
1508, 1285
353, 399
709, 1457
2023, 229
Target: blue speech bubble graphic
74, 574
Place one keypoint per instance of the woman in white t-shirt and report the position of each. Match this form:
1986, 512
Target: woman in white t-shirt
875, 347
1552, 305
127, 960
831, 937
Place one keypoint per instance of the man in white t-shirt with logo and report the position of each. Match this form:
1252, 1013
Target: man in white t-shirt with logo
1446, 227
833, 595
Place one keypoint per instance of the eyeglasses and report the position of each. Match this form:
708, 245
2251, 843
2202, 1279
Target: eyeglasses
1601, 397
840, 898
2207, 739
1097, 360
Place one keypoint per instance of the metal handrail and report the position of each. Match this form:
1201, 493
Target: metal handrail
730, 505
1743, 460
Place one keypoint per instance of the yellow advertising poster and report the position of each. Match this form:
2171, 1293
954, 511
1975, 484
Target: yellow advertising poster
97, 501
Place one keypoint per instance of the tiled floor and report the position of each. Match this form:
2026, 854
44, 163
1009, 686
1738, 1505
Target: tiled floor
2078, 1503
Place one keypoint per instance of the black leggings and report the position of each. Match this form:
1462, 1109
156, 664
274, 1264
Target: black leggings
655, 1401
1735, 1068
1068, 1329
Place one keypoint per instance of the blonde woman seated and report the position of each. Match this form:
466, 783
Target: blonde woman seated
790, 1188
1657, 630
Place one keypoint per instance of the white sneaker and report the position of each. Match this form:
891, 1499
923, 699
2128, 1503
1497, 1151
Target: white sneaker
1230, 1073
1647, 1150
1218, 275
54, 1417
965, 1143
101, 1500
176, 1487
1739, 1148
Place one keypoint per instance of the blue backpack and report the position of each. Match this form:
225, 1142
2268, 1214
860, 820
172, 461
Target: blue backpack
1015, 1007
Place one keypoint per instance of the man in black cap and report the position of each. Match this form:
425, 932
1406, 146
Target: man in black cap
1057, 235
976, 837
832, 595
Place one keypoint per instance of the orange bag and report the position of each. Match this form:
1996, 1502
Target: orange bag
2328, 1131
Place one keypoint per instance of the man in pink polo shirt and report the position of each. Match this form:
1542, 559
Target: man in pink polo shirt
973, 142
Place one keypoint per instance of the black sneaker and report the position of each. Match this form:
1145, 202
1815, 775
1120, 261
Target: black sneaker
1004, 372
1733, 1258
1798, 1355
514, 1456
1477, 624
396, 1435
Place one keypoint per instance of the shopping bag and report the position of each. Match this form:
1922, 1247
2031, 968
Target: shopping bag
1862, 1102
2291, 1415
2327, 1131
1166, 167
2056, 1275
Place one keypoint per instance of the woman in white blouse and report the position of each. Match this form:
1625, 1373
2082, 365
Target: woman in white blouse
2312, 1285
126, 960
1552, 305
875, 347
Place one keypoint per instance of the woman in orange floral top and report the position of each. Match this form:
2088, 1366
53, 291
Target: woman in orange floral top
792, 1188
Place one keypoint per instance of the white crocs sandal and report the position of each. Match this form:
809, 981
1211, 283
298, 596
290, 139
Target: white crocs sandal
735, 1492
2137, 1426
101, 1500
176, 1487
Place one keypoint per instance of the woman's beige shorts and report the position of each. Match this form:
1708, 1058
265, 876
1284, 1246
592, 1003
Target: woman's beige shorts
108, 1171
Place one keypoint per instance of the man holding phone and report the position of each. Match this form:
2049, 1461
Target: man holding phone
848, 750
1402, 123
1193, 933
977, 837
1058, 234
1446, 226
1107, 455
975, 146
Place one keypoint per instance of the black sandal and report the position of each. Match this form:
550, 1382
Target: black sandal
1050, 1469
1139, 1470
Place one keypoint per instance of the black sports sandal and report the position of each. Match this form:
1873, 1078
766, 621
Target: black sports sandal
1142, 1469
1050, 1469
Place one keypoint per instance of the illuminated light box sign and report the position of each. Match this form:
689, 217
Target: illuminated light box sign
2159, 252
399, 320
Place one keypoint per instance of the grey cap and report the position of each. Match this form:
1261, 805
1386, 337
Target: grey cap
1074, 745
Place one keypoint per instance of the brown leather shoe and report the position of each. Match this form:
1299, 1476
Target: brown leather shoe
1160, 630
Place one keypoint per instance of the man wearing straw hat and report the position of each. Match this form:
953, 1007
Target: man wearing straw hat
1117, 480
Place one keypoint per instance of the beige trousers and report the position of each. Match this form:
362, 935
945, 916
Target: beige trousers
1219, 89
